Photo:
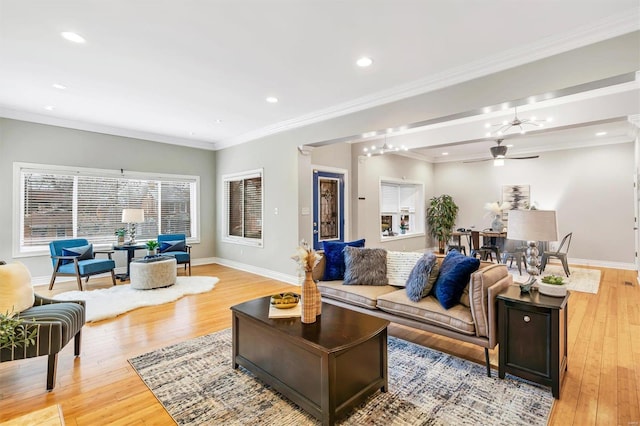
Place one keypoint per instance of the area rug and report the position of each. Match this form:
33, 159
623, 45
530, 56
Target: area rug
581, 279
110, 302
196, 384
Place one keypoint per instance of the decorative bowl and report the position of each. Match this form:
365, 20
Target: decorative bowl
556, 290
286, 300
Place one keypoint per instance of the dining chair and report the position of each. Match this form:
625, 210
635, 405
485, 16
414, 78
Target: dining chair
514, 250
476, 250
561, 254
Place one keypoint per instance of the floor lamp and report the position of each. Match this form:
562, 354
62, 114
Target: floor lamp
532, 226
132, 216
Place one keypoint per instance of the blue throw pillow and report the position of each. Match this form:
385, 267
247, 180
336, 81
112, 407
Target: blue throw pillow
455, 272
334, 258
81, 252
422, 277
166, 246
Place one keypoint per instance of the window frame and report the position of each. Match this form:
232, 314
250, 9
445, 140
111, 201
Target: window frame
241, 176
18, 200
419, 207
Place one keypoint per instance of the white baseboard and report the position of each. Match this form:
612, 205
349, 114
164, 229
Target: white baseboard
601, 263
290, 279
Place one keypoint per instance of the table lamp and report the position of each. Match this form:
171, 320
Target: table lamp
532, 226
131, 217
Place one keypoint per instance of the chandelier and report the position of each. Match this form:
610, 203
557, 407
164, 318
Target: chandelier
518, 124
385, 148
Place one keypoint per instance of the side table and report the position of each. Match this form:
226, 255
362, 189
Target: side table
533, 337
131, 250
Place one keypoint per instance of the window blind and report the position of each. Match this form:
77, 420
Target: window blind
243, 207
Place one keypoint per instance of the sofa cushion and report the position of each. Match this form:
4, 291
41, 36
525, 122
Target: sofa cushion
454, 277
422, 277
365, 296
428, 310
334, 256
16, 291
399, 266
365, 266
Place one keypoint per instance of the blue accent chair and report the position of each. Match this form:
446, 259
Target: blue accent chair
64, 264
175, 245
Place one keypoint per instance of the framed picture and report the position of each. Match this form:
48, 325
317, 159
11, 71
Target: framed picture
518, 197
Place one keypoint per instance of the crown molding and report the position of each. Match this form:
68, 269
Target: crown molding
610, 27
100, 128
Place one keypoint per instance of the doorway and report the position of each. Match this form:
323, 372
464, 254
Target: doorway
328, 207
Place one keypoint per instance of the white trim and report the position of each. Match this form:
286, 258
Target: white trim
290, 279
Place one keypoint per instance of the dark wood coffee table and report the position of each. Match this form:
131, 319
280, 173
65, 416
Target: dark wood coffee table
327, 367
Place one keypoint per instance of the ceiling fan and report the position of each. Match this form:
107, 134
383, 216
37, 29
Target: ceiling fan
499, 154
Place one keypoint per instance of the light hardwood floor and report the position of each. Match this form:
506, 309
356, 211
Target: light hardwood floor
602, 385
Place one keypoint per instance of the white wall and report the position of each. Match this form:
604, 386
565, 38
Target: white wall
590, 188
38, 143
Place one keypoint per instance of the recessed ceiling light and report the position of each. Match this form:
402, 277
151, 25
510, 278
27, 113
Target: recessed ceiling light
48, 107
272, 100
67, 35
510, 145
218, 121
58, 86
445, 153
601, 133
364, 62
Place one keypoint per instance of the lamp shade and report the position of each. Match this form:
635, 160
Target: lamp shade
532, 225
132, 215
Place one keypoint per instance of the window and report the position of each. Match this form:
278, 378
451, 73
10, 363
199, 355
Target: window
60, 202
243, 208
401, 208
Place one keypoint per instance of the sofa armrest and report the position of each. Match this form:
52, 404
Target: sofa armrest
484, 286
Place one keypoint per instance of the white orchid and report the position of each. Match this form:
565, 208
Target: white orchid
496, 207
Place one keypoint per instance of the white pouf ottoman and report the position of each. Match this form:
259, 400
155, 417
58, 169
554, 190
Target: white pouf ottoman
146, 275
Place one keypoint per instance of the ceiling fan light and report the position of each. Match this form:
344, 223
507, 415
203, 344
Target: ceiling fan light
498, 162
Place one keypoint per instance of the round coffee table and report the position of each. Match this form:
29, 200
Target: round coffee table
147, 275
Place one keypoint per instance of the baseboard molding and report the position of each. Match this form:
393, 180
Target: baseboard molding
601, 263
290, 279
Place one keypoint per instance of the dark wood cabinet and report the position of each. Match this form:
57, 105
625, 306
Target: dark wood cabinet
533, 337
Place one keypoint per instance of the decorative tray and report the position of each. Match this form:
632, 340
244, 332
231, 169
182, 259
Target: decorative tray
286, 300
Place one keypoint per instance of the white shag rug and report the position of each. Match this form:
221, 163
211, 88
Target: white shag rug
581, 279
110, 302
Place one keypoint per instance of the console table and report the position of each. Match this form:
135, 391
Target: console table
533, 336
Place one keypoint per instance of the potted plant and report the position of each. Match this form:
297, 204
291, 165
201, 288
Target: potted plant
441, 217
120, 233
13, 332
152, 247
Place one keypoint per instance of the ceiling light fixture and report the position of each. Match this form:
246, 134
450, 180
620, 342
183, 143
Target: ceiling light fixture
58, 86
48, 107
272, 100
364, 62
516, 123
601, 133
67, 35
385, 148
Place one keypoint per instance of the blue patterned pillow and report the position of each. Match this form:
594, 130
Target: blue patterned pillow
422, 277
334, 258
455, 272
166, 246
81, 252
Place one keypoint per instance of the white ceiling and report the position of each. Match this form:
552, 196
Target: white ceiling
196, 73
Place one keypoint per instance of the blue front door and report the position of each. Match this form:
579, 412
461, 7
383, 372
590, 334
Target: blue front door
328, 207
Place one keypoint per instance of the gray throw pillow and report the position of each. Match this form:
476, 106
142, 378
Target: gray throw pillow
365, 266
422, 277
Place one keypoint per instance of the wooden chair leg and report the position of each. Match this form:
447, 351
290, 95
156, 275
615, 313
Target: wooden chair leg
77, 341
53, 278
113, 277
51, 370
189, 268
